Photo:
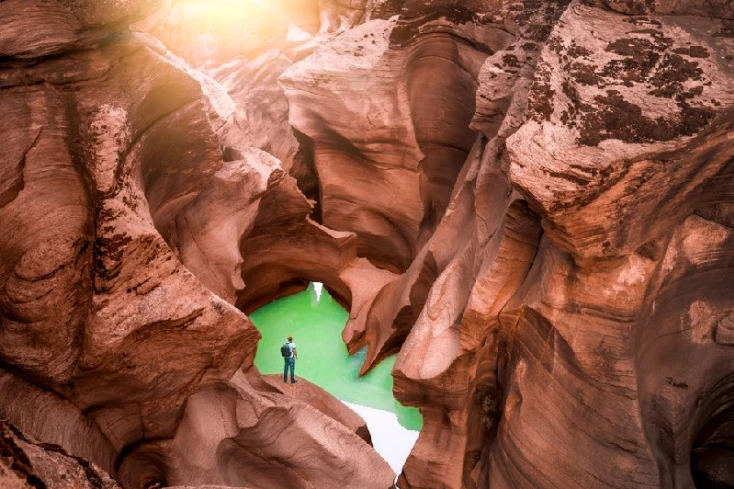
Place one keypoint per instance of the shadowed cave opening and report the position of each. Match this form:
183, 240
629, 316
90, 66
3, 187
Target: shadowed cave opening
712, 456
316, 320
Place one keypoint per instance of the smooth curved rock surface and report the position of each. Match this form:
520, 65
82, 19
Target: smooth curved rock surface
316, 397
38, 28
530, 202
245, 47
237, 434
116, 300
389, 140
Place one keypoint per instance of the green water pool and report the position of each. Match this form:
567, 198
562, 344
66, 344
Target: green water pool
316, 323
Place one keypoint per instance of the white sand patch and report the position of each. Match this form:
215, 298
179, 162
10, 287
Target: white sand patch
391, 440
318, 287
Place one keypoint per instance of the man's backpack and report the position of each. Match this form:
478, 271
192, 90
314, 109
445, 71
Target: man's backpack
285, 350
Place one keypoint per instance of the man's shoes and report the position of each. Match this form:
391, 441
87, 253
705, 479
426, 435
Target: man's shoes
293, 381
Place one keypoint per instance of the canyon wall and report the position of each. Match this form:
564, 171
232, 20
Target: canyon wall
531, 202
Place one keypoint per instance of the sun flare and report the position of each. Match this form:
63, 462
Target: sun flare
222, 29
223, 9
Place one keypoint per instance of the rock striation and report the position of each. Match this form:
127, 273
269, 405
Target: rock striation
28, 464
408, 133
240, 433
531, 202
117, 304
524, 312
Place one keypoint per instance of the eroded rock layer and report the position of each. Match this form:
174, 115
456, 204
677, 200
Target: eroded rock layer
118, 278
28, 464
530, 201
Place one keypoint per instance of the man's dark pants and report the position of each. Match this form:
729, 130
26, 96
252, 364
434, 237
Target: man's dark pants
290, 364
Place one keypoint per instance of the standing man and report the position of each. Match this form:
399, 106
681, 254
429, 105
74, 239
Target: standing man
290, 360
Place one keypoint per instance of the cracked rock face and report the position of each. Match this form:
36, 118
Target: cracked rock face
531, 202
25, 464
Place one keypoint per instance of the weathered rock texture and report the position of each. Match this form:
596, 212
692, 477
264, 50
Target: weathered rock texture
530, 201
242, 432
27, 464
387, 160
118, 275
525, 322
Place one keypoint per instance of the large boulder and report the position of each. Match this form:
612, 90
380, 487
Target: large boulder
238, 434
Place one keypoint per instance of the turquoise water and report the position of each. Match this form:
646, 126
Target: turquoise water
316, 325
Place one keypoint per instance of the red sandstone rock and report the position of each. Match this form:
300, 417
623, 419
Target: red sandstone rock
246, 50
709, 8
239, 433
318, 398
110, 293
37, 28
453, 336
530, 201
26, 464
394, 135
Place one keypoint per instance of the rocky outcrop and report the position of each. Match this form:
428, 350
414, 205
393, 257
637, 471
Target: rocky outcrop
374, 115
529, 201
523, 312
27, 464
674, 65
708, 8
39, 28
245, 48
239, 433
316, 397
116, 298
91, 291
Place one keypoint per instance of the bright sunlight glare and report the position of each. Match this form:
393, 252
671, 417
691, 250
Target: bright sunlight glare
222, 9
212, 32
